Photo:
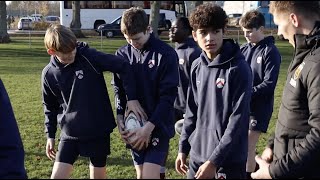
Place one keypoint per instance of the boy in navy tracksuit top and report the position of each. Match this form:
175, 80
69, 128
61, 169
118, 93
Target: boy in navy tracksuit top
11, 147
264, 58
187, 50
75, 97
215, 130
155, 66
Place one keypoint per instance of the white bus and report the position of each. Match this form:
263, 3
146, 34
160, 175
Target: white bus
95, 13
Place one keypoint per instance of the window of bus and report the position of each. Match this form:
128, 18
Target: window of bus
167, 5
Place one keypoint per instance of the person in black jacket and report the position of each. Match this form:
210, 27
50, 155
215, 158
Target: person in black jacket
294, 151
187, 50
11, 146
215, 129
264, 59
75, 96
155, 68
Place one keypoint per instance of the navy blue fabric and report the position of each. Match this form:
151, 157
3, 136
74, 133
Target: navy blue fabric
156, 72
264, 59
216, 121
11, 146
187, 52
76, 96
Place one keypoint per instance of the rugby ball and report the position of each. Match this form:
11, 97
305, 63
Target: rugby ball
132, 122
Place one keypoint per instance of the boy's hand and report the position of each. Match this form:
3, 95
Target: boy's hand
122, 131
50, 151
206, 171
181, 165
142, 136
267, 154
136, 108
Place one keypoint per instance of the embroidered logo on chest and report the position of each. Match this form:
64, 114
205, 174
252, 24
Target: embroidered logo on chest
296, 75
151, 63
79, 74
181, 61
220, 82
259, 59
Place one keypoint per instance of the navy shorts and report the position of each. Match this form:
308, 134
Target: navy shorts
236, 171
96, 150
155, 153
258, 125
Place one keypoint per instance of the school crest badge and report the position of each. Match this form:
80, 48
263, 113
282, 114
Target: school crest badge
220, 82
79, 74
181, 61
151, 63
259, 59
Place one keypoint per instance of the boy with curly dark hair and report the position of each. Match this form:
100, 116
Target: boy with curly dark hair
215, 129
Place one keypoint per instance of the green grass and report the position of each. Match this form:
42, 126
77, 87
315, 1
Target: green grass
21, 63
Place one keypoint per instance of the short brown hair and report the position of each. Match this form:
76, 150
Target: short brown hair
308, 9
134, 21
208, 16
252, 19
60, 38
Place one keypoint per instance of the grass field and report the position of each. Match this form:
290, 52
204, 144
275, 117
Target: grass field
21, 63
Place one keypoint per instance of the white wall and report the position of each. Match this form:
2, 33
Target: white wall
237, 6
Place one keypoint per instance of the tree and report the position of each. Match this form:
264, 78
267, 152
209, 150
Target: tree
44, 7
154, 16
4, 36
75, 24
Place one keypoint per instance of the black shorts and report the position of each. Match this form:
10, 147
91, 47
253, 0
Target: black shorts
96, 150
258, 124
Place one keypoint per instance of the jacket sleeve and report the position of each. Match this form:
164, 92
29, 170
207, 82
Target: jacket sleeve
168, 88
190, 119
238, 123
119, 92
51, 108
272, 60
117, 64
301, 157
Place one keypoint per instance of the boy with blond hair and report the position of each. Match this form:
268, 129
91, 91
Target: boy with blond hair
74, 96
294, 150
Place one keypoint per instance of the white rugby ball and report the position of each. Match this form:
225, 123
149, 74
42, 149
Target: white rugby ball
132, 122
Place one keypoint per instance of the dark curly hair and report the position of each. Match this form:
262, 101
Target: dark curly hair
208, 16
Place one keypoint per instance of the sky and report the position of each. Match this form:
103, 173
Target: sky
8, 2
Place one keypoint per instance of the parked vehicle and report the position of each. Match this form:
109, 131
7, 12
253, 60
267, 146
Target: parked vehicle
113, 29
52, 19
36, 17
25, 23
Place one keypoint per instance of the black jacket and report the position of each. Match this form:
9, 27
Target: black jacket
75, 96
217, 116
264, 59
297, 134
155, 69
11, 147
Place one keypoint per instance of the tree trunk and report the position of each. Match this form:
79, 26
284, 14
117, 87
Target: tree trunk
4, 36
154, 16
76, 23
